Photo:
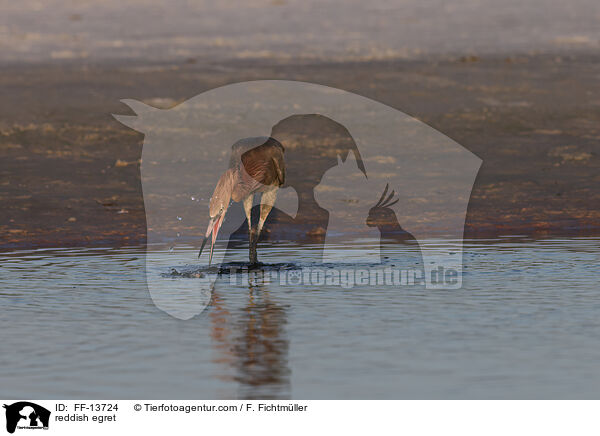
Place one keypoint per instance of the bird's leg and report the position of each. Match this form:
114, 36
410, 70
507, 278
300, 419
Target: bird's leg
248, 201
266, 204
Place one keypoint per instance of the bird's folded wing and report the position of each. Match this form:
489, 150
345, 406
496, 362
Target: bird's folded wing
245, 185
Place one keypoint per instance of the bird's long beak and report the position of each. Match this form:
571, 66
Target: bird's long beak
213, 228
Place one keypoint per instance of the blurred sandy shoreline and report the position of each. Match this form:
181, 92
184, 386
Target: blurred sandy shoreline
514, 82
69, 172
148, 31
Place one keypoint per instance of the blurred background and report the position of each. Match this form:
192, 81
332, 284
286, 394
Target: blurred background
514, 82
292, 30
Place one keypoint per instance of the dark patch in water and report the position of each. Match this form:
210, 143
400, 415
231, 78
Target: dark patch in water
235, 267
184, 272
193, 271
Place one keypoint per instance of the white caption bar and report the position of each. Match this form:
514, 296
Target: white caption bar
94, 417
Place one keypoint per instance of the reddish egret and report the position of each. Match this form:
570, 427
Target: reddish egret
256, 165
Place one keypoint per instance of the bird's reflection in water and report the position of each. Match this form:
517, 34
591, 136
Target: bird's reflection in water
251, 341
250, 338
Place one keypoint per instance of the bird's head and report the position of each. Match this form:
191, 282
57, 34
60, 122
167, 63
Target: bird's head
219, 203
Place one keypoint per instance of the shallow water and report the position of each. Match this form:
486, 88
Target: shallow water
81, 323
